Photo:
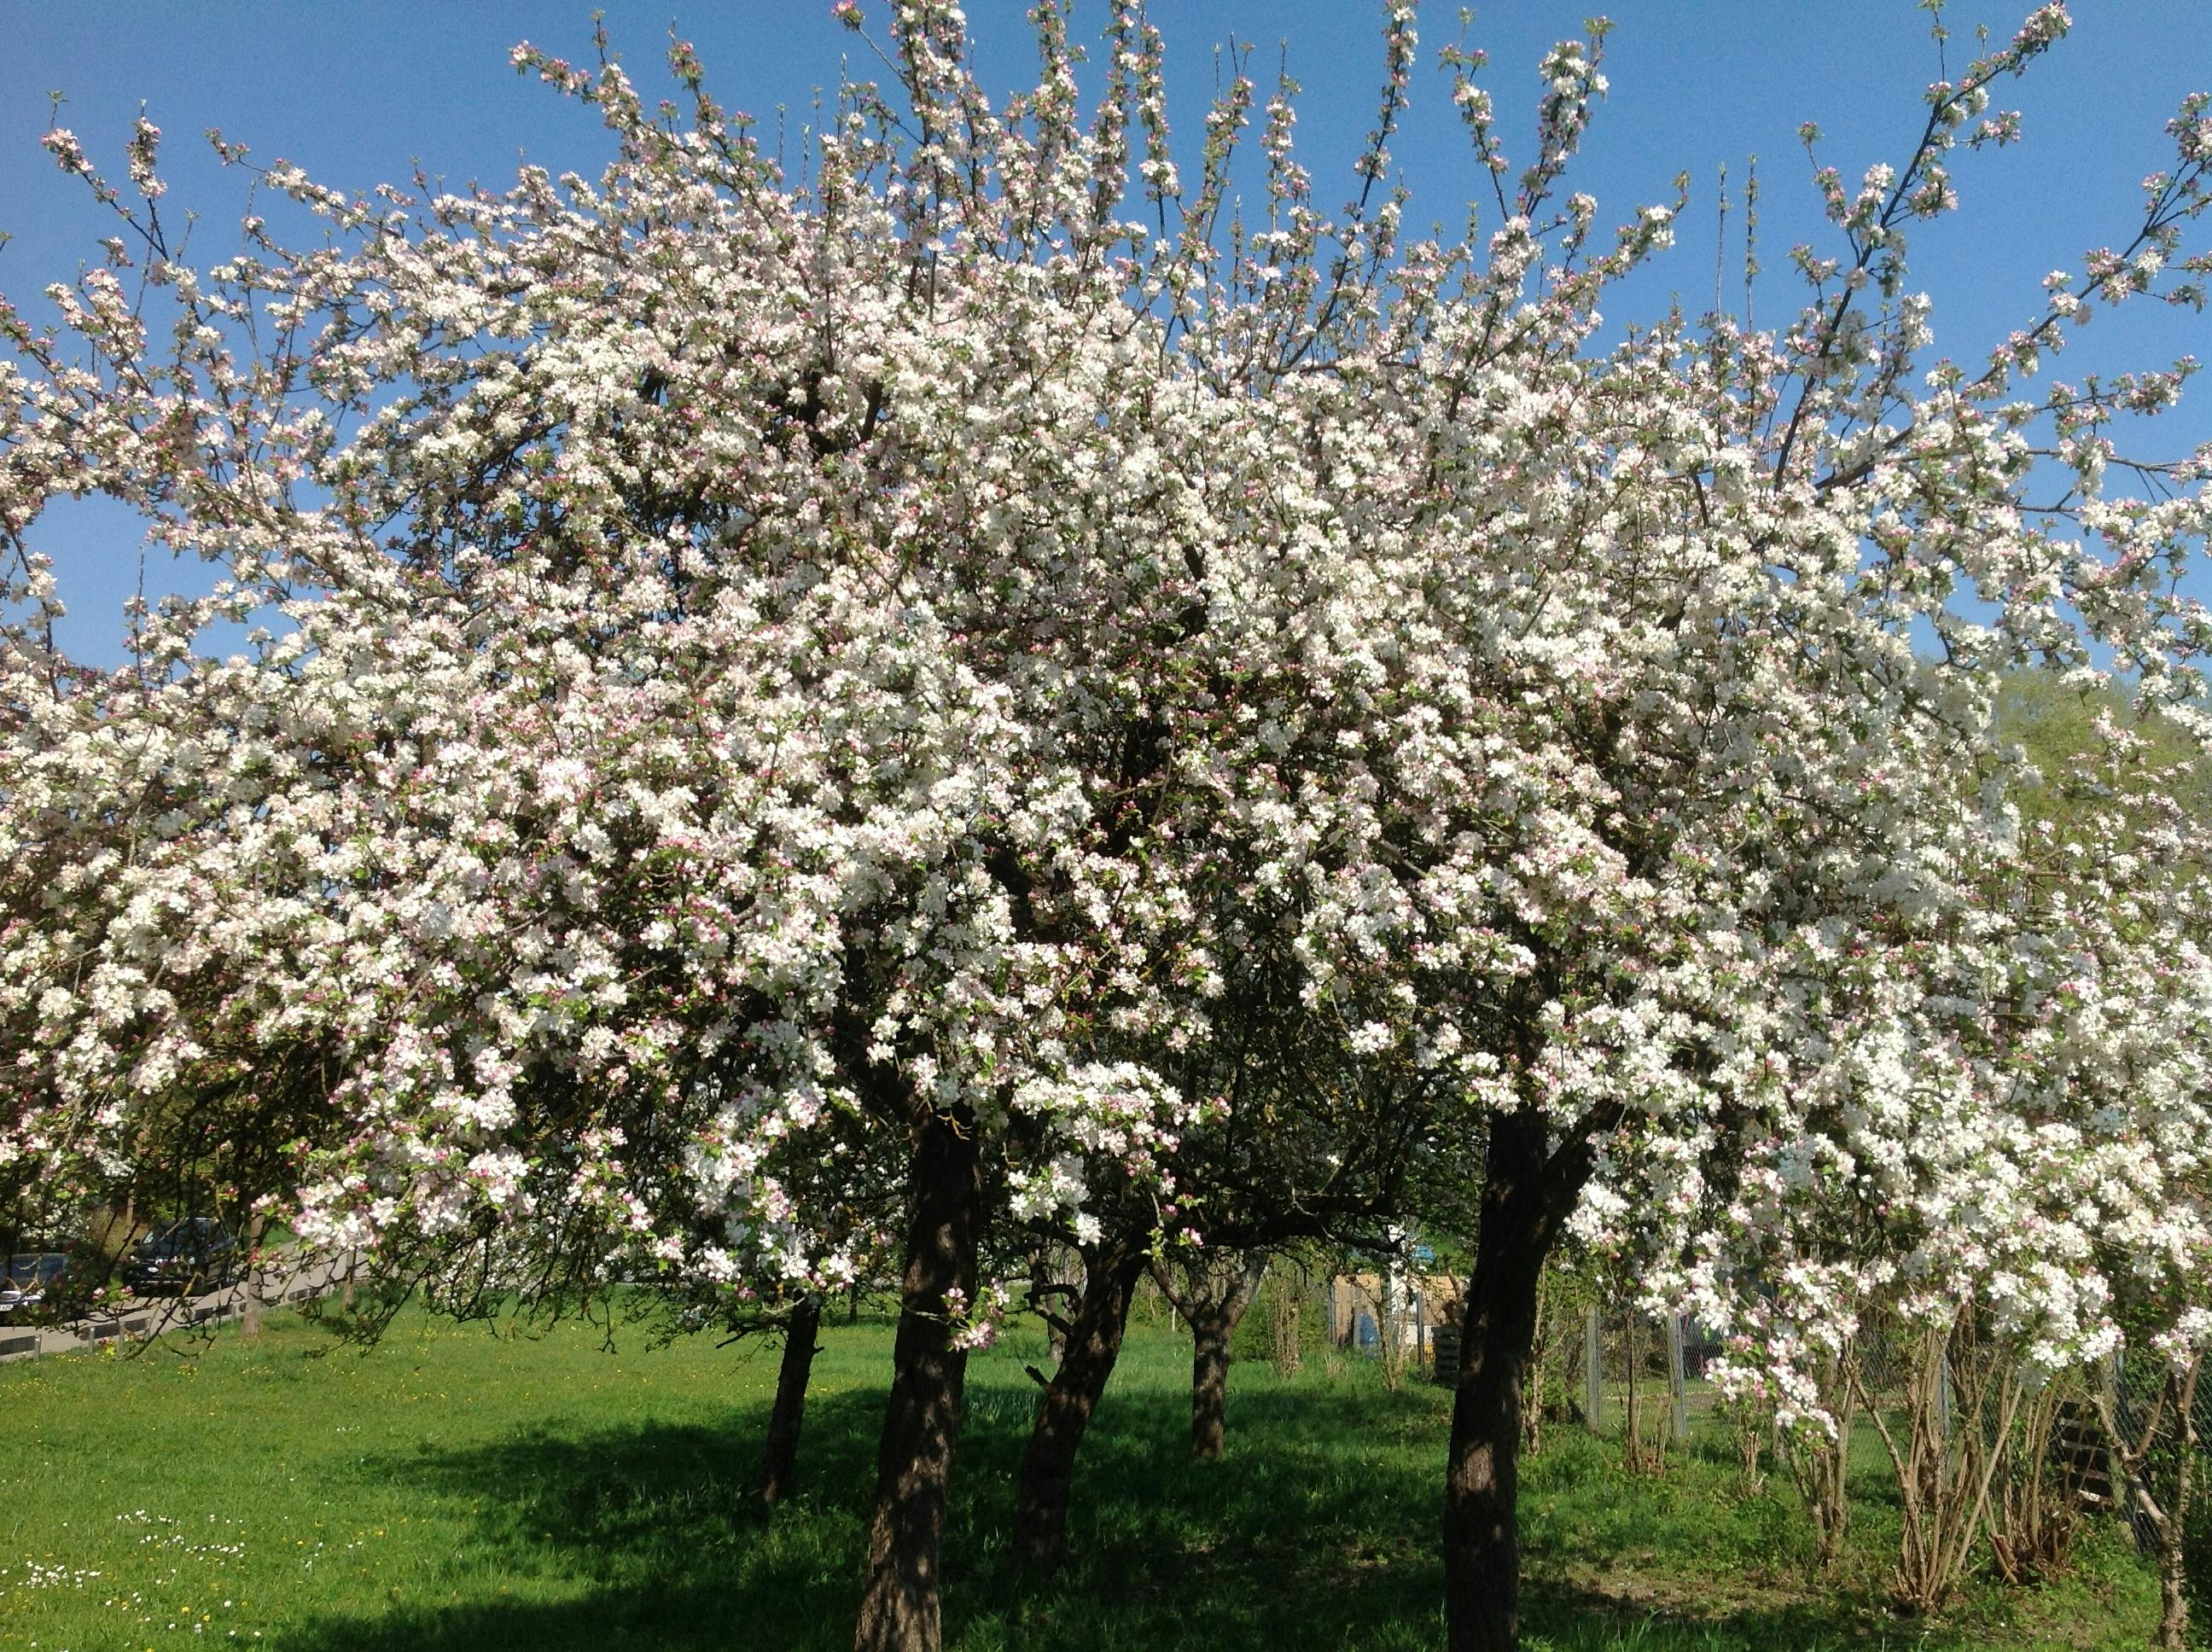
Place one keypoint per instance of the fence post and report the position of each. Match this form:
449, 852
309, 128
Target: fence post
1676, 1378
1592, 1371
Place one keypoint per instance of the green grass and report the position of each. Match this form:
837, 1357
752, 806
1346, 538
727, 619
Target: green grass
453, 1491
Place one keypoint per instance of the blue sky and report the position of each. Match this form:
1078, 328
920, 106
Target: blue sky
358, 94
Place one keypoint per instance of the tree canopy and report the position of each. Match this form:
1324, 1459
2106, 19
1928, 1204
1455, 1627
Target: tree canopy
936, 678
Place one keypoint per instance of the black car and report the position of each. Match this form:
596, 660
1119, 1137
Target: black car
32, 1277
191, 1255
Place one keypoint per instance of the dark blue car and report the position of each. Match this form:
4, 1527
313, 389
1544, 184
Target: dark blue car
189, 1256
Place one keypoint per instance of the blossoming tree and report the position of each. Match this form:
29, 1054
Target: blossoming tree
772, 679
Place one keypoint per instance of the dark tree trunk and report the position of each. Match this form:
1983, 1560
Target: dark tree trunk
779, 1471
1522, 1207
1209, 1384
1092, 1343
1211, 1297
899, 1605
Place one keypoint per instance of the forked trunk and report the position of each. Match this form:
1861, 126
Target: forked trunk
899, 1604
1213, 1296
1482, 1548
779, 1471
1092, 1343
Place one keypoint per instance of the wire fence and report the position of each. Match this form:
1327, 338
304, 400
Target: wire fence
1589, 1363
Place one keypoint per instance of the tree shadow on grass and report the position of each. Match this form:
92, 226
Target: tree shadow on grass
650, 1536
647, 1536
1318, 1530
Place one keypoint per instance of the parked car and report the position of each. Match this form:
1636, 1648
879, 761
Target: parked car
32, 1277
189, 1256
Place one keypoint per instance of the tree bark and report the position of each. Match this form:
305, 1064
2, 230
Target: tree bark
1092, 1343
899, 1604
780, 1470
1212, 1302
2130, 1454
1482, 1549
249, 1291
2173, 1600
2172, 1568
1209, 1384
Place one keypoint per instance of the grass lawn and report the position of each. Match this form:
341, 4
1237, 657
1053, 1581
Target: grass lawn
455, 1491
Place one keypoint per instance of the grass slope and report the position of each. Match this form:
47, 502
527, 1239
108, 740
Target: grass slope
454, 1491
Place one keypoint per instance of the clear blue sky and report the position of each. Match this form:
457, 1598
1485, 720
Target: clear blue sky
356, 94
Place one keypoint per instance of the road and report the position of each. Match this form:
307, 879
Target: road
283, 1280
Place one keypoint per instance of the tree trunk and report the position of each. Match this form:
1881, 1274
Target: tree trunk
1211, 1298
779, 1471
1632, 1356
1093, 1343
2131, 1453
1209, 1384
1482, 1549
2173, 1601
2172, 1567
249, 1291
899, 1605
